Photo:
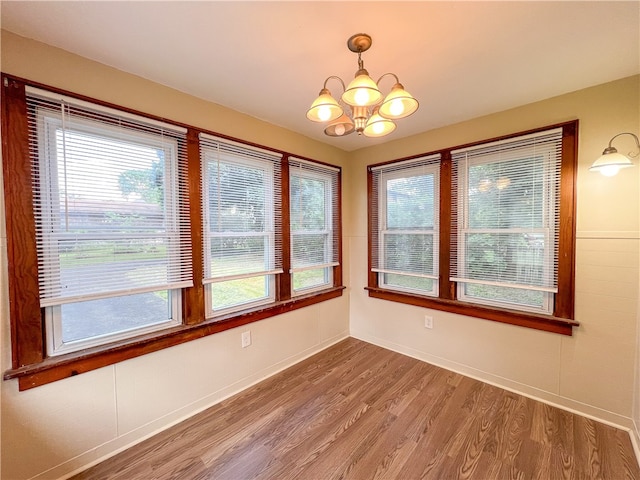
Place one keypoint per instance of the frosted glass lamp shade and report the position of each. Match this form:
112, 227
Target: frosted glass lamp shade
340, 127
610, 163
378, 126
362, 91
325, 108
398, 103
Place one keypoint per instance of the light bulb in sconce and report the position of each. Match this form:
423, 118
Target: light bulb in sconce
340, 130
609, 170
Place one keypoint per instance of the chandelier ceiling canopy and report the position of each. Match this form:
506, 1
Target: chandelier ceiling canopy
362, 107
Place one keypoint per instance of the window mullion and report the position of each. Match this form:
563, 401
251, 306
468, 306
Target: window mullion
283, 280
193, 303
448, 209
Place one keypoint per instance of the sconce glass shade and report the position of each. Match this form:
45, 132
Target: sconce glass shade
398, 103
340, 127
362, 91
325, 108
610, 163
378, 126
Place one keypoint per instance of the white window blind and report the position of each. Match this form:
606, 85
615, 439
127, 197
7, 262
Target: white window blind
110, 203
405, 240
507, 217
241, 193
313, 219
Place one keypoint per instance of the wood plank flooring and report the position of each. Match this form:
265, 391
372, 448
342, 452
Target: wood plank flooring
358, 411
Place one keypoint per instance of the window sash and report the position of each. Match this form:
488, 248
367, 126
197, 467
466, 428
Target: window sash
54, 324
217, 154
380, 263
546, 147
83, 128
240, 304
300, 170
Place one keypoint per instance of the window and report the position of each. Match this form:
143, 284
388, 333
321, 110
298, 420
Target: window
507, 224
128, 234
314, 233
484, 230
111, 251
241, 195
405, 244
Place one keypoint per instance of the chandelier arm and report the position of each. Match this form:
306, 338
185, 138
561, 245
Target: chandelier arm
384, 75
631, 154
336, 78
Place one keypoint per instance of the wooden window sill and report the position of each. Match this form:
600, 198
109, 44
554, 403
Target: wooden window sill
545, 323
71, 364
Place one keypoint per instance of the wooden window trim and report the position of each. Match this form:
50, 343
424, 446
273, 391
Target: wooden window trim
562, 320
30, 364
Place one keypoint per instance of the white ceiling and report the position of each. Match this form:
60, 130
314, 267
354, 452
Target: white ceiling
269, 59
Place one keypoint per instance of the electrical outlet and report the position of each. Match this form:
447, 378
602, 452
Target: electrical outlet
246, 339
428, 321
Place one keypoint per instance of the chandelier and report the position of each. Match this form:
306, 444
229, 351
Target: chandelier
361, 107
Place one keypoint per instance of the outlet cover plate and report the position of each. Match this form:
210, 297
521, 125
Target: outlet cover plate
246, 339
428, 321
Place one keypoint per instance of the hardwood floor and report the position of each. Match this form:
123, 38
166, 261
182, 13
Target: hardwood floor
358, 411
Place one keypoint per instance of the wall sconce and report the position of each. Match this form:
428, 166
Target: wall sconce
611, 161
